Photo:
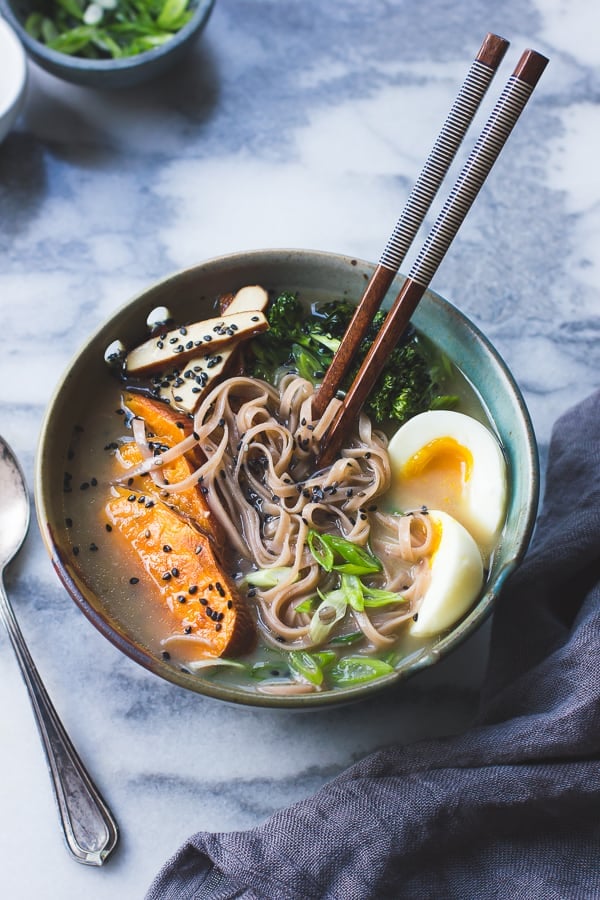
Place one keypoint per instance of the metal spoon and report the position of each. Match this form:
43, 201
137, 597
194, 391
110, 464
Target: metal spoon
90, 831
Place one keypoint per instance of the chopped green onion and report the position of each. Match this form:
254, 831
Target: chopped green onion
265, 669
104, 29
329, 612
358, 670
374, 597
352, 589
357, 560
209, 663
320, 549
306, 667
307, 606
269, 578
351, 638
325, 657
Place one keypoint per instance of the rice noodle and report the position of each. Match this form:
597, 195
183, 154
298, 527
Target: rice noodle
259, 445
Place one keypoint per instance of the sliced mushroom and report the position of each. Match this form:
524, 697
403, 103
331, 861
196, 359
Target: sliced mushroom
180, 344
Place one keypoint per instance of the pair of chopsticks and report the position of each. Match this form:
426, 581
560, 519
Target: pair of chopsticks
495, 132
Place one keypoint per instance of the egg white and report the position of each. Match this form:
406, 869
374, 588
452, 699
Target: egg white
446, 460
455, 577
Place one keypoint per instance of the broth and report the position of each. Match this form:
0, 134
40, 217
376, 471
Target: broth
116, 575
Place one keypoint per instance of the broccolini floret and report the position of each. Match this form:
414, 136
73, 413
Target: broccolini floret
306, 343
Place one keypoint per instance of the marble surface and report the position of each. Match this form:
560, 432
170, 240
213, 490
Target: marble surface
291, 124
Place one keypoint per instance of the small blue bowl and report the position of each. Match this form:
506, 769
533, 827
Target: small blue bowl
107, 73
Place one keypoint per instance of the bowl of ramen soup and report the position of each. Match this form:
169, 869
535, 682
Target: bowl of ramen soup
181, 498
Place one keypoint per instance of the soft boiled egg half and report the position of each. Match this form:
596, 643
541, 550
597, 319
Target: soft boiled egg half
448, 461
454, 577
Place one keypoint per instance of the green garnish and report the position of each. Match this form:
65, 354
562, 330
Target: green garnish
357, 670
356, 560
268, 578
106, 29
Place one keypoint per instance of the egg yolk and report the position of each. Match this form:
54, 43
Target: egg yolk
443, 466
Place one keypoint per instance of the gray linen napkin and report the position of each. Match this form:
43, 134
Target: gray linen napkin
510, 809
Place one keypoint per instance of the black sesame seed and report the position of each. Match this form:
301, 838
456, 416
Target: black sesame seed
160, 345
166, 576
209, 612
149, 504
108, 527
187, 629
182, 599
93, 547
167, 548
415, 617
252, 592
219, 588
203, 601
220, 616
165, 654
84, 486
132, 498
218, 626
198, 549
75, 551
229, 604
93, 482
183, 330
174, 572
255, 319
193, 589
68, 522
134, 581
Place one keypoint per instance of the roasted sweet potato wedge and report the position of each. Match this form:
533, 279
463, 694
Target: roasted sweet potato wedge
160, 419
187, 575
178, 541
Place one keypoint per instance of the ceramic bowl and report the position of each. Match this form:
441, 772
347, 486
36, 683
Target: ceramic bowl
188, 294
13, 83
107, 73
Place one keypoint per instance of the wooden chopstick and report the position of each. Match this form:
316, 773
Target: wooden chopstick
466, 104
495, 132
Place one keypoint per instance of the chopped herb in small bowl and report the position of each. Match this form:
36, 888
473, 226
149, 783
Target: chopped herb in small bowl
105, 29
106, 43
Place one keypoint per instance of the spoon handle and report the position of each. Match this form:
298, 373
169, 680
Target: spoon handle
89, 828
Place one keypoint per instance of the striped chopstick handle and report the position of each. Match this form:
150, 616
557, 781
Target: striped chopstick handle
481, 159
498, 127
439, 160
471, 94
